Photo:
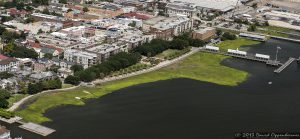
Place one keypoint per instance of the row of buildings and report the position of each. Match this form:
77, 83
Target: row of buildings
73, 41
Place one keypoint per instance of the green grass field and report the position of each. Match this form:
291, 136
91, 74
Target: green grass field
67, 85
274, 31
15, 98
200, 66
167, 53
234, 44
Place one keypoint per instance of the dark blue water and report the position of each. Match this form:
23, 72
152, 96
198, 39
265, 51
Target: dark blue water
189, 109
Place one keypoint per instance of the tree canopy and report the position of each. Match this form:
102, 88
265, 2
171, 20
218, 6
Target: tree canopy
72, 80
76, 68
5, 75
19, 51
34, 88
116, 62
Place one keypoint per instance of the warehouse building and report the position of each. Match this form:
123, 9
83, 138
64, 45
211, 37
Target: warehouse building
211, 5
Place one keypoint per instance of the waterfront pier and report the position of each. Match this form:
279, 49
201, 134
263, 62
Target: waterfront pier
247, 56
38, 129
32, 127
254, 57
285, 65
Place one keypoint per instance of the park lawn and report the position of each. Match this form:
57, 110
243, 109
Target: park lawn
274, 31
229, 30
15, 98
44, 102
200, 66
167, 53
64, 85
234, 44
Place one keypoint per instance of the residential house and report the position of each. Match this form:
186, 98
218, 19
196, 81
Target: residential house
23, 74
17, 13
47, 50
43, 49
42, 76
39, 67
64, 72
9, 84
63, 63
8, 64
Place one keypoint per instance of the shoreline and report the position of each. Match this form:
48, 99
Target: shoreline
98, 82
186, 68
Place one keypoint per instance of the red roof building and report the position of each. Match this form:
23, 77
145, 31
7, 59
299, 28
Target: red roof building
2, 57
16, 12
39, 46
137, 16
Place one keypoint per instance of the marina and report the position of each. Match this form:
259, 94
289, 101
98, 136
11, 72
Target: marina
249, 56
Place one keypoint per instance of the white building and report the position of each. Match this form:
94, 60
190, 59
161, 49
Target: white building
282, 15
183, 8
84, 58
107, 50
135, 40
76, 31
8, 64
126, 21
102, 23
207, 5
128, 9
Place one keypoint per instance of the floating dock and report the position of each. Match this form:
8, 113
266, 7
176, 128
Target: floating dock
285, 65
38, 129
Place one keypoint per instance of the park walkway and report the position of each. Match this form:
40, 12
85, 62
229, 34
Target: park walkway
158, 66
16, 105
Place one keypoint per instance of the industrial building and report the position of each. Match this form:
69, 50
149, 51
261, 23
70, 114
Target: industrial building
209, 5
183, 8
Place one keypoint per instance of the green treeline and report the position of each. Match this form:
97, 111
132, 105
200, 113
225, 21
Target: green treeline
114, 63
34, 88
157, 46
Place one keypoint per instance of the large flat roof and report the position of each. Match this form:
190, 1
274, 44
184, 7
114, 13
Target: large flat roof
222, 5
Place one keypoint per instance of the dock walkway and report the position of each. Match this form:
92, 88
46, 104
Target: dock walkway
253, 58
32, 127
248, 57
11, 120
285, 65
38, 129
